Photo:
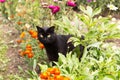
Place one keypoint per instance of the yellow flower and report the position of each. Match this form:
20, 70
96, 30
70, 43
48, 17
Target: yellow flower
22, 35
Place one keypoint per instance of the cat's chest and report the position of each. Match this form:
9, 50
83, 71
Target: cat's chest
59, 46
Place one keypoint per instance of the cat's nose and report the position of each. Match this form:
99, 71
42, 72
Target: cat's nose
45, 38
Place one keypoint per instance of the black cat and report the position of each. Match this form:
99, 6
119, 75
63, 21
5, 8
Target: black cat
54, 43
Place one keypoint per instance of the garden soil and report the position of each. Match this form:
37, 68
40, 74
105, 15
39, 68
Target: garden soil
10, 35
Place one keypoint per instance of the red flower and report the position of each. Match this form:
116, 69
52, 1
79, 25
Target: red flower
71, 3
54, 9
2, 1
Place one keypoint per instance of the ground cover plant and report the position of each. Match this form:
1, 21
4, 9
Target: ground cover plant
101, 58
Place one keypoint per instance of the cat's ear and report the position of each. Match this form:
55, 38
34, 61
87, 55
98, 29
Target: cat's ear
39, 29
51, 29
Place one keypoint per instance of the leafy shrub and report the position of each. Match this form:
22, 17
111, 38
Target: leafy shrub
100, 3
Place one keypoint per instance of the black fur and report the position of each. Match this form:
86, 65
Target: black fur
54, 44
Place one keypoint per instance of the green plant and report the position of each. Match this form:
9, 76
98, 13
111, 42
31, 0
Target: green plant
95, 29
100, 3
97, 63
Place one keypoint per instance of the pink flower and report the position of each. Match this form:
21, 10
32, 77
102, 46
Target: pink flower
54, 9
55, 0
2, 1
89, 0
71, 3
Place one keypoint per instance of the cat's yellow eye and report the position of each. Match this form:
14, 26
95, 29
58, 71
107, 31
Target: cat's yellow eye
41, 36
49, 36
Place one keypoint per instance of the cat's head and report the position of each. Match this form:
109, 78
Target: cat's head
46, 35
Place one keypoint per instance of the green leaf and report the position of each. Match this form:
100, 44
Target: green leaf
43, 67
82, 9
97, 45
34, 64
96, 11
89, 11
109, 77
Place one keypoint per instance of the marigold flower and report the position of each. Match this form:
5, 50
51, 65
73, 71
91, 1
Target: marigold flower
54, 71
34, 35
58, 77
19, 23
28, 46
30, 55
31, 32
44, 75
21, 53
54, 9
52, 74
41, 46
19, 41
2, 1
71, 3
51, 78
27, 51
51, 70
22, 35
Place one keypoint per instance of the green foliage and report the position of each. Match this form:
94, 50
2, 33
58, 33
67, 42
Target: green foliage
94, 29
100, 3
99, 64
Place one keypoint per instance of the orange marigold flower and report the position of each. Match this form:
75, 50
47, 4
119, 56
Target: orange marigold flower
54, 71
30, 49
31, 32
41, 46
19, 41
28, 46
51, 78
34, 35
51, 70
30, 55
57, 72
53, 74
21, 53
19, 23
27, 52
44, 75
58, 77
22, 35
